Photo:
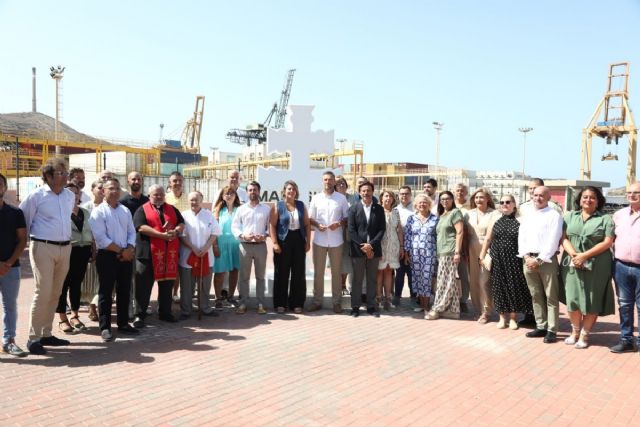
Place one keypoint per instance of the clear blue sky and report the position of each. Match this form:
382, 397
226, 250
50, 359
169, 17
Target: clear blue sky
377, 71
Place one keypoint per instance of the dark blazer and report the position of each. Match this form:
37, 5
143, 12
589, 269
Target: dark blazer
359, 229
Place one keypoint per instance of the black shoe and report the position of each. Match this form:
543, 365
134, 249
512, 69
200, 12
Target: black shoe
138, 322
536, 333
36, 348
372, 311
53, 341
211, 313
622, 347
528, 321
224, 294
128, 329
355, 312
168, 318
107, 336
550, 338
463, 307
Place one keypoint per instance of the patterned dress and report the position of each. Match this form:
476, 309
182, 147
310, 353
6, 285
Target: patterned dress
390, 242
508, 285
420, 242
229, 258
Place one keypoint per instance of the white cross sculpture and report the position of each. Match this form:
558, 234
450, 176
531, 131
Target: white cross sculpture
300, 142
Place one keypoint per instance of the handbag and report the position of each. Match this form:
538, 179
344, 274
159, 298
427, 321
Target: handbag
486, 262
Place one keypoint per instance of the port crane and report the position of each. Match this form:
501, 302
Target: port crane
611, 121
253, 134
190, 139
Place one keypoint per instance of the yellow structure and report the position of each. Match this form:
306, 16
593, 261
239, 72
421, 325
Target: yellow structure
611, 120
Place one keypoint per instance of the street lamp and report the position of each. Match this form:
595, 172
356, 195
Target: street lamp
525, 131
57, 75
438, 127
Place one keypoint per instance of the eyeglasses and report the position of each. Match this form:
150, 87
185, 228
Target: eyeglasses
61, 173
341, 184
505, 202
229, 194
445, 199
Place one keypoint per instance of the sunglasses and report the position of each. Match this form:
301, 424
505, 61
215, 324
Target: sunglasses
505, 202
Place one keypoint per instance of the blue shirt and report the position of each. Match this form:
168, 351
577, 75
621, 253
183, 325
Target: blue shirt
112, 225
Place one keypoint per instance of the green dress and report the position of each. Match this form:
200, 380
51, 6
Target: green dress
589, 291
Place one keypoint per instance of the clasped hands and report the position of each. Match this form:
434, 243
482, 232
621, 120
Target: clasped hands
250, 237
333, 226
367, 249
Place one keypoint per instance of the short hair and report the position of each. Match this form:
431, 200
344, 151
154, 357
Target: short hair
198, 193
433, 182
370, 184
74, 171
487, 195
96, 183
405, 187
50, 166
114, 179
418, 197
4, 179
341, 178
538, 181
460, 184
389, 192
255, 184
154, 187
292, 183
176, 173
72, 185
441, 208
596, 191
329, 173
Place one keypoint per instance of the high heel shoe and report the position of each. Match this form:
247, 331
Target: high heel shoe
583, 342
502, 323
573, 338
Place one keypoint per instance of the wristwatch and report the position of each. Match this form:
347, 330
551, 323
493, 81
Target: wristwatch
539, 261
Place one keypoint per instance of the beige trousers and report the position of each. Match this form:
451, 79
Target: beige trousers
479, 286
544, 285
50, 264
319, 265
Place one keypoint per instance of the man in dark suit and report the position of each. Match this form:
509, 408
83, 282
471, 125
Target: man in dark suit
366, 228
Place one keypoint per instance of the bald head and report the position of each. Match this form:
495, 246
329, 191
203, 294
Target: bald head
234, 179
633, 196
541, 197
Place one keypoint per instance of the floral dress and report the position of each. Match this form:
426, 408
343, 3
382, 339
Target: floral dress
390, 242
420, 243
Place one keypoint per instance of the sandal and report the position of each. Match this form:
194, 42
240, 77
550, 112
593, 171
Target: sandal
93, 313
573, 338
77, 325
583, 342
65, 326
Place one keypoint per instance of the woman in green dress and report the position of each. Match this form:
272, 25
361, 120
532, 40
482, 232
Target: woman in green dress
587, 265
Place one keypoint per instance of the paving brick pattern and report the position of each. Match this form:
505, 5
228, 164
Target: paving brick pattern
321, 369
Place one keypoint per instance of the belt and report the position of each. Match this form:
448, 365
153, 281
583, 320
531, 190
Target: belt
52, 242
533, 254
252, 243
628, 264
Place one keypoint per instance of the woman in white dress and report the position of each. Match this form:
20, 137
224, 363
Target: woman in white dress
392, 249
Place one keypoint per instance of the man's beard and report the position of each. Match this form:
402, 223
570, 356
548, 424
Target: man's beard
135, 187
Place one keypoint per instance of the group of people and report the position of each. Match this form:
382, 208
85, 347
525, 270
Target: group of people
514, 259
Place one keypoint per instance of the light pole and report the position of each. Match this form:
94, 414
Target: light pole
438, 127
525, 131
57, 75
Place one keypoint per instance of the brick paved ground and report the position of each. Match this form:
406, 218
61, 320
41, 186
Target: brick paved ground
321, 369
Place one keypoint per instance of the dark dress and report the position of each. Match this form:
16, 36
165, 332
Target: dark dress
508, 285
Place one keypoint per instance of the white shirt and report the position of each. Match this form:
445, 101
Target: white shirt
434, 202
540, 233
198, 228
294, 219
327, 210
242, 195
405, 212
47, 214
84, 197
112, 225
251, 220
367, 210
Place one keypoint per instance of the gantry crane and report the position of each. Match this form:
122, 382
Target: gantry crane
190, 139
258, 133
611, 121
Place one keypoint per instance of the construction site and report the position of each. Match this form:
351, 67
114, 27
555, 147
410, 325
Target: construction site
28, 139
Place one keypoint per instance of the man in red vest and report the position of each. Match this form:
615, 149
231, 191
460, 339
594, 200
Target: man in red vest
159, 225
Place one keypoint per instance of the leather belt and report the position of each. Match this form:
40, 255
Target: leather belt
628, 264
52, 242
533, 254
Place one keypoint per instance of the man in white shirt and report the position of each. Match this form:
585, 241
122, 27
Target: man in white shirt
405, 210
47, 212
251, 227
430, 189
234, 182
328, 213
538, 242
115, 236
197, 251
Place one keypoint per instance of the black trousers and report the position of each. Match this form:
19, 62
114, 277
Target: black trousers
364, 266
290, 262
144, 286
72, 283
112, 271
